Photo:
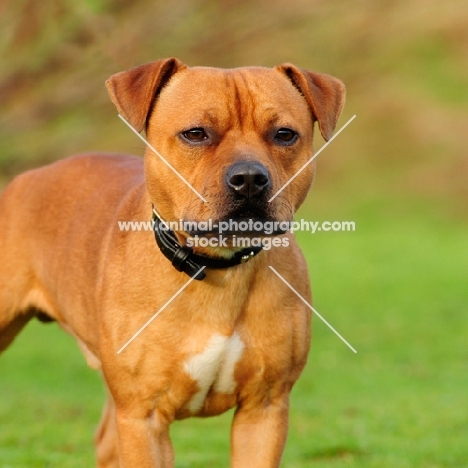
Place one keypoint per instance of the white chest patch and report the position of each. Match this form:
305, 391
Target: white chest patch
214, 367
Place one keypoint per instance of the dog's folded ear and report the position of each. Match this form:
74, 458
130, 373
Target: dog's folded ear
325, 95
134, 91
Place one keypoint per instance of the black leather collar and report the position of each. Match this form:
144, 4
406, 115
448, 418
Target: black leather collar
184, 259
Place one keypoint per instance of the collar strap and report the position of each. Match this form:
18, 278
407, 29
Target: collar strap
184, 259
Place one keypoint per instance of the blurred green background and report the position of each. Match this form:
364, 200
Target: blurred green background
396, 288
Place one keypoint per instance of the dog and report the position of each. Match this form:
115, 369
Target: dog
178, 330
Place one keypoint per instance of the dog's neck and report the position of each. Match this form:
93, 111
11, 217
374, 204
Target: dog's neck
184, 259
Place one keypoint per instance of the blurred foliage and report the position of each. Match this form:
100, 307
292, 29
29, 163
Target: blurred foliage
405, 64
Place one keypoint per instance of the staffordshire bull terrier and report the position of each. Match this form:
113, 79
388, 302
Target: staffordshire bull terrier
178, 328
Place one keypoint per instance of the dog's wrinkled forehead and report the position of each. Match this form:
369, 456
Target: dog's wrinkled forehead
238, 97
242, 88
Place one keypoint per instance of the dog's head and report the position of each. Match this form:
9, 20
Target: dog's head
236, 136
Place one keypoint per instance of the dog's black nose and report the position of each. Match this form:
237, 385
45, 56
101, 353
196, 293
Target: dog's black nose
248, 179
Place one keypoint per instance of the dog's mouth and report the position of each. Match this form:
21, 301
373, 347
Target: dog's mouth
250, 220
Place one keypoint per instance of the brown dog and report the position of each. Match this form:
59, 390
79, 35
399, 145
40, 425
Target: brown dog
237, 338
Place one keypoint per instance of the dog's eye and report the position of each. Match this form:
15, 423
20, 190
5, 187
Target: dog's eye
286, 135
195, 134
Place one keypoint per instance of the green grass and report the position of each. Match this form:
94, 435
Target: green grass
395, 289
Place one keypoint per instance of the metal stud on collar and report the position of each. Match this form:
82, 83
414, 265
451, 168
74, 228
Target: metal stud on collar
246, 258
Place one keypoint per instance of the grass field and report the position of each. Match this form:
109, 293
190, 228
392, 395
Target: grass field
396, 289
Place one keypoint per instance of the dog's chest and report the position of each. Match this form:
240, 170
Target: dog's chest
213, 369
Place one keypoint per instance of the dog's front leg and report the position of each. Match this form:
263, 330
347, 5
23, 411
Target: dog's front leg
144, 442
258, 434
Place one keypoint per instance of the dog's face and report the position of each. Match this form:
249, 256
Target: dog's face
237, 136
